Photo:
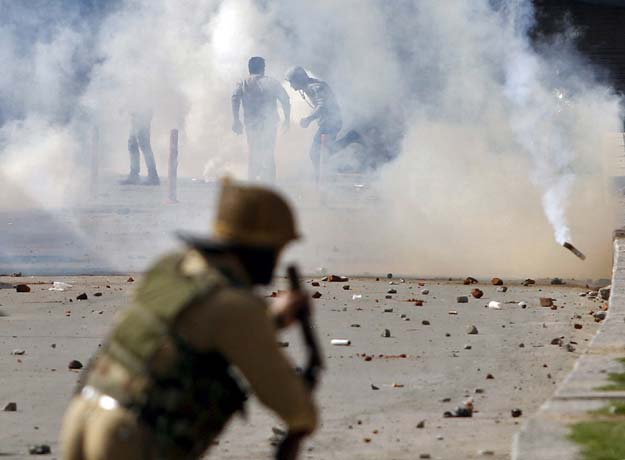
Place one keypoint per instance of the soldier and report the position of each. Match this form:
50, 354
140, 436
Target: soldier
168, 378
259, 93
139, 140
326, 111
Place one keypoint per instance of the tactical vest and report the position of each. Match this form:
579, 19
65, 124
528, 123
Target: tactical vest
184, 396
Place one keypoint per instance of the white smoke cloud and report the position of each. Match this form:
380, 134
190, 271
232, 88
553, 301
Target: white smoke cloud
489, 153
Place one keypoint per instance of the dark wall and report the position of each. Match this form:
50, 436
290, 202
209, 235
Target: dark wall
601, 26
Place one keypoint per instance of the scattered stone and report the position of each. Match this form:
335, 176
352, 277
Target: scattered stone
528, 282
388, 310
373, 387
392, 291
316, 295
10, 407
341, 342
466, 410
494, 305
469, 280
557, 341
418, 303
130, 280
425, 322
472, 330
604, 293
496, 282
315, 284
18, 352
521, 345
502, 289
74, 364
600, 316
22, 288
389, 275
490, 377
97, 294
39, 449
82, 296
425, 291
557, 281
422, 456
578, 326
479, 391
452, 312
467, 347
516, 412
522, 304
462, 299
486, 452
386, 333
421, 424
346, 287
477, 293
388, 297
355, 325
335, 279
546, 302
570, 348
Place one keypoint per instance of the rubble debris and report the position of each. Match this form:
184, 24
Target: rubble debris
18, 352
335, 279
392, 291
421, 424
465, 410
386, 333
522, 304
341, 342
60, 286
477, 293
462, 299
452, 312
346, 287
528, 282
600, 316
556, 282
315, 284
397, 385
316, 295
490, 377
357, 297
355, 325
502, 289
425, 456
570, 348
496, 282
388, 297
472, 330
546, 302
10, 407
22, 288
557, 341
604, 292
97, 294
578, 326
425, 291
389, 275
486, 452
467, 347
516, 412
469, 280
494, 305
479, 391
39, 449
130, 280
373, 387
388, 310
74, 364
425, 322
82, 296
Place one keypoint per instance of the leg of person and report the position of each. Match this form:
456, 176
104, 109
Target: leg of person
143, 137
254, 143
352, 137
315, 153
135, 165
267, 154
73, 430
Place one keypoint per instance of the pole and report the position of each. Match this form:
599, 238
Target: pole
173, 167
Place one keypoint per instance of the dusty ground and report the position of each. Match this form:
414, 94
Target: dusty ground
358, 421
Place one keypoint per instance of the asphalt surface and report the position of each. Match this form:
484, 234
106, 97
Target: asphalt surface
436, 375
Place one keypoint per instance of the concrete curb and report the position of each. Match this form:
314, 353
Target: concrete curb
544, 436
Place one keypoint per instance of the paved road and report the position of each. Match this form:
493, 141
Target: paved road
358, 422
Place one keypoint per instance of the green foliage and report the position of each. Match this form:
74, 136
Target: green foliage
600, 440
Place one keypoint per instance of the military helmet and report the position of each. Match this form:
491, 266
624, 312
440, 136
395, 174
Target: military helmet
253, 216
296, 75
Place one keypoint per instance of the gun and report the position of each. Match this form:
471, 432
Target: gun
289, 447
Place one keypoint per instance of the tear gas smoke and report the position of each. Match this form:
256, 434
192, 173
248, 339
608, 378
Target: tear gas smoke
485, 139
